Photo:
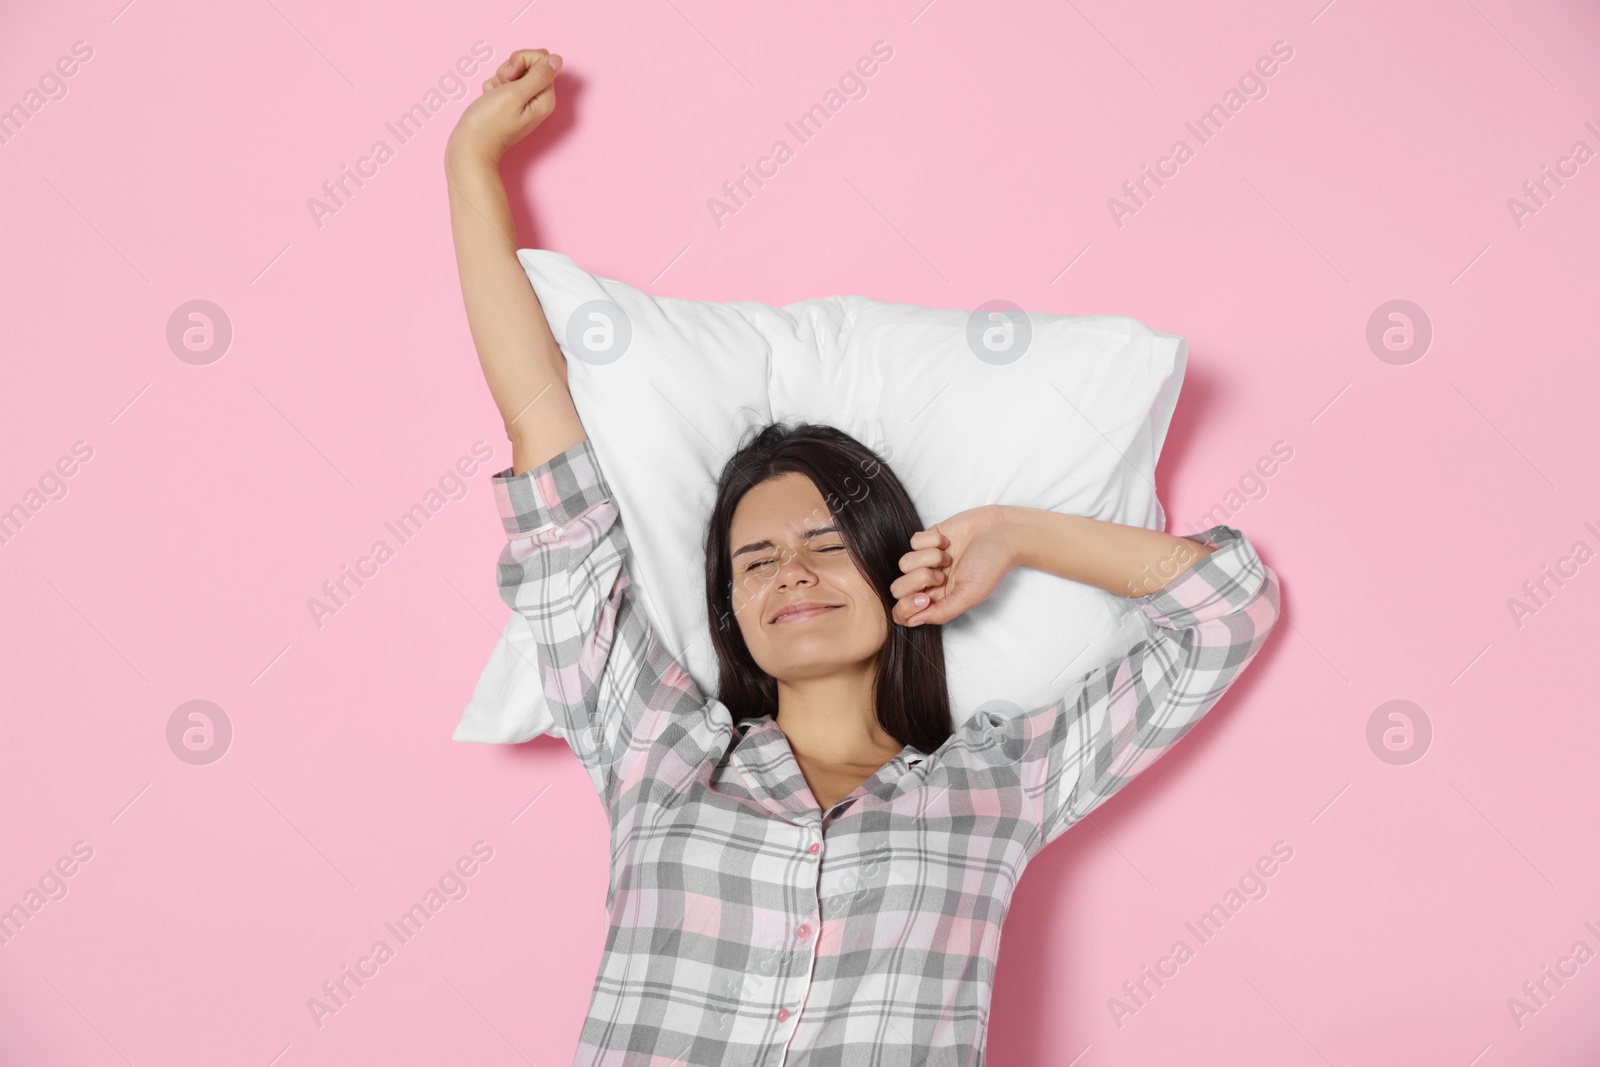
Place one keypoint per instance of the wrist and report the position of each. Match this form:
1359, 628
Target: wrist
463, 162
1018, 528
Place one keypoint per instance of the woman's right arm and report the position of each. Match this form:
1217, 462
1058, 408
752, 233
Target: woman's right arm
521, 361
615, 693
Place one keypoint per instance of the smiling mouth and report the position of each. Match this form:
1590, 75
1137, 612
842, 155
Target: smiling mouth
804, 613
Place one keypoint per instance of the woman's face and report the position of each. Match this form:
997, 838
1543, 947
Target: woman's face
785, 551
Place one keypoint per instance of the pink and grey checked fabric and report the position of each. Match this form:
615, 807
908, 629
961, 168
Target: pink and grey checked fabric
749, 927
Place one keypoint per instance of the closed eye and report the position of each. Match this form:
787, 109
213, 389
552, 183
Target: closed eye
764, 562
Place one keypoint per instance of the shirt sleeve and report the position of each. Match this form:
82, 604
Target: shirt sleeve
1202, 628
616, 695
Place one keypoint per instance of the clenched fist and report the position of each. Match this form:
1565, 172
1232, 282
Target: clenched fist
521, 95
954, 566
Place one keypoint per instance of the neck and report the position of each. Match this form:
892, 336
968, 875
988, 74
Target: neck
832, 719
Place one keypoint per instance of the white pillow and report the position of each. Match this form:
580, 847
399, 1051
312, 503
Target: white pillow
1064, 412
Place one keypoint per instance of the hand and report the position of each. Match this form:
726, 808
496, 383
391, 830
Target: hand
953, 567
520, 96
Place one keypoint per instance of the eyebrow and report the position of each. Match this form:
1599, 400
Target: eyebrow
757, 546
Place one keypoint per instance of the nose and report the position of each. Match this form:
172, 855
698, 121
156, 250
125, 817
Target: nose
790, 580
793, 571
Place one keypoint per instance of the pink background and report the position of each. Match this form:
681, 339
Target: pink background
179, 563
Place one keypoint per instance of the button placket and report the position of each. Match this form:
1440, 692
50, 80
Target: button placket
806, 933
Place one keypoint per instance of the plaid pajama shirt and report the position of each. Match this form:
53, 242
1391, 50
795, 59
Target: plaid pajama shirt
747, 926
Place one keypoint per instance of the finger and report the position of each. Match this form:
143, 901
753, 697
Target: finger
906, 608
936, 611
542, 104
912, 596
925, 557
510, 68
535, 90
534, 73
519, 61
920, 580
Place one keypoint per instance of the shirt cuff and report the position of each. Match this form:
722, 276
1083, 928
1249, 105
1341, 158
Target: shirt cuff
551, 494
1214, 585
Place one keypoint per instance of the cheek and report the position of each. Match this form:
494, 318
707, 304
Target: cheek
860, 590
745, 616
871, 619
746, 594
749, 605
876, 620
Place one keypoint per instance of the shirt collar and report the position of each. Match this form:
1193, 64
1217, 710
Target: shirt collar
762, 756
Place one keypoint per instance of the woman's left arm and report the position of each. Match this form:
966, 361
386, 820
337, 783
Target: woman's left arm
1129, 561
1207, 603
956, 564
1203, 626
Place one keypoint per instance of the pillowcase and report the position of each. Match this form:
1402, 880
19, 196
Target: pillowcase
996, 405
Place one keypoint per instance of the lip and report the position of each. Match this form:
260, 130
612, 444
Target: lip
801, 612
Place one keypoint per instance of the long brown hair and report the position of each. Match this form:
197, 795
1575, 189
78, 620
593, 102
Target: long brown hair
876, 519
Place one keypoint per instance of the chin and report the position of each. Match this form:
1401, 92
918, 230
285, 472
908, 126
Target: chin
823, 665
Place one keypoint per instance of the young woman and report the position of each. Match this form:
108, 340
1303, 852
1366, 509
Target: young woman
813, 868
